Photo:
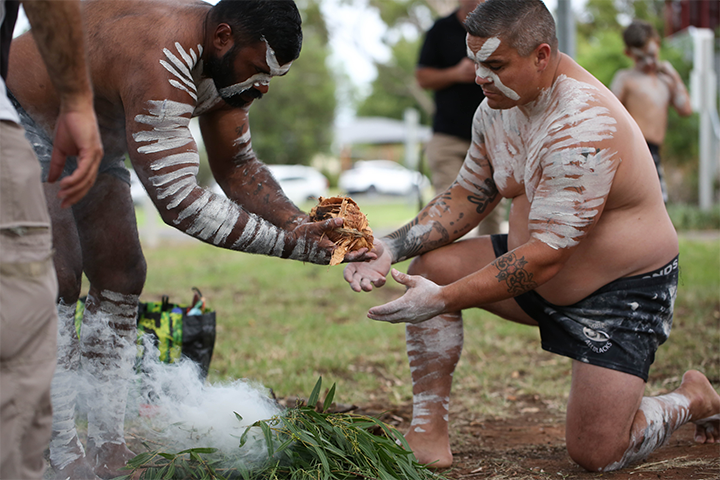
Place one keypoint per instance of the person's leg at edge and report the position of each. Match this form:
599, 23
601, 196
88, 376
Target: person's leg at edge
28, 320
115, 268
112, 260
610, 425
67, 455
434, 348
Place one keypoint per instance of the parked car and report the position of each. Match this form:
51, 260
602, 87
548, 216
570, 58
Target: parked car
299, 182
382, 176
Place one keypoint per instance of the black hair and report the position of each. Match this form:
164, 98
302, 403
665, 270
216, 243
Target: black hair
638, 33
278, 21
524, 24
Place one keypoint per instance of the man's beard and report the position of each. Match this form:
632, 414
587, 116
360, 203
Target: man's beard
221, 71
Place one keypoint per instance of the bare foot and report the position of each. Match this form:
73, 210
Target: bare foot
80, 469
109, 459
704, 406
431, 449
707, 430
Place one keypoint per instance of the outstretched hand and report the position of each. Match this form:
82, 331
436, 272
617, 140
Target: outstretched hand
319, 248
422, 301
76, 133
363, 276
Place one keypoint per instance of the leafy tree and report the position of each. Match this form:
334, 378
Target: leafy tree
294, 121
395, 90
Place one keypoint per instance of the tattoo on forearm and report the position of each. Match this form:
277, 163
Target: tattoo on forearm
490, 192
407, 241
511, 270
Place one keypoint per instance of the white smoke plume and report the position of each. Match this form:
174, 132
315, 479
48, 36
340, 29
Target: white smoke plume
173, 406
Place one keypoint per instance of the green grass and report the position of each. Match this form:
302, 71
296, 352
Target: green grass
285, 323
690, 217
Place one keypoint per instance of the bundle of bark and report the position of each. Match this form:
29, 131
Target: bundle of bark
355, 232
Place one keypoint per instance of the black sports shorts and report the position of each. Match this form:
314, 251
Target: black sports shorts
619, 326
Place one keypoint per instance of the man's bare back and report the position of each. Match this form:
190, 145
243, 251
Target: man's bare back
120, 63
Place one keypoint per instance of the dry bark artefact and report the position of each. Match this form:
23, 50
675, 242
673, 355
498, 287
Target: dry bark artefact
355, 232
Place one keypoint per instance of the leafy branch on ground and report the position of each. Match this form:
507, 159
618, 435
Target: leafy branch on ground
304, 442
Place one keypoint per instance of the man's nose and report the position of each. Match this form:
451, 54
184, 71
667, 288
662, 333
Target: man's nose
482, 79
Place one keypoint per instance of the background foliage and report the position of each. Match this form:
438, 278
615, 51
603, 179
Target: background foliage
294, 121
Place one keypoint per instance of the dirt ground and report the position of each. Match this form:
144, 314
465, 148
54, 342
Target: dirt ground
531, 445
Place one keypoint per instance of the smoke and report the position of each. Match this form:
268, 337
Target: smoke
173, 406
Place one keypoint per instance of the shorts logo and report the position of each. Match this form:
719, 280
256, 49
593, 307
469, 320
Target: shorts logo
597, 336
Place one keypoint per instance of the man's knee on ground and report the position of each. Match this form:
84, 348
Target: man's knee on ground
595, 451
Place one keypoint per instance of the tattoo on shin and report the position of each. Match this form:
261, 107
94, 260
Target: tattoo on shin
511, 270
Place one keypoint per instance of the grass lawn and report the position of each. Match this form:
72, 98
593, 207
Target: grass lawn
284, 324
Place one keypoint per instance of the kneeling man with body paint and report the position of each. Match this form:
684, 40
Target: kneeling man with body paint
154, 66
591, 255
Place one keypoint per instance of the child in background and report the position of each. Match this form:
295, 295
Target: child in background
648, 89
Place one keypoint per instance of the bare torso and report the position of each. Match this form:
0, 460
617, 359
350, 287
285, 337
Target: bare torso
633, 234
647, 97
124, 39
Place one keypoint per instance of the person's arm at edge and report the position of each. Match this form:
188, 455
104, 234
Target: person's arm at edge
680, 97
58, 33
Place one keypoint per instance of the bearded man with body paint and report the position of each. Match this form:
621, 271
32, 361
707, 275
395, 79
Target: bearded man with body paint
590, 258
154, 65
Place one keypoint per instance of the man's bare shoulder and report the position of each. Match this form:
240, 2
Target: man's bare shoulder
127, 40
132, 27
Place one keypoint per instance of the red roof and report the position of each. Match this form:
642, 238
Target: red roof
680, 14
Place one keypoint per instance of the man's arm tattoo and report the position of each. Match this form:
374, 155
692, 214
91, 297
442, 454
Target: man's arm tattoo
408, 241
490, 192
511, 270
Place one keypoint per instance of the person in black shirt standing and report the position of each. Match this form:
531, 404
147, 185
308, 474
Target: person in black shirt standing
445, 68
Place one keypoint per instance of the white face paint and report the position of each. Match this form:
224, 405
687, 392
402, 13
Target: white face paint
259, 79
547, 150
488, 48
646, 57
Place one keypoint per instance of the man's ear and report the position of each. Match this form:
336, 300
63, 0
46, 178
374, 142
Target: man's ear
628, 53
223, 39
543, 54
